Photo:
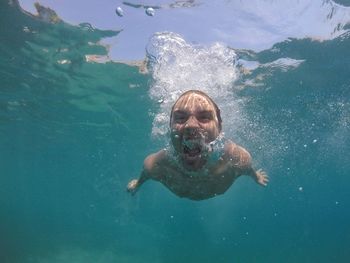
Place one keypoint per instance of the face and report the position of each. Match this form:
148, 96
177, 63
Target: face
194, 124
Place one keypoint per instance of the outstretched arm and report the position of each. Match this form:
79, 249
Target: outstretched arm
241, 160
135, 184
259, 176
150, 168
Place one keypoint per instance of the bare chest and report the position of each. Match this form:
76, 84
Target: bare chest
202, 185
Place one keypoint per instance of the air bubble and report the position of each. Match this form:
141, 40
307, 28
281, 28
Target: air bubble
119, 11
150, 11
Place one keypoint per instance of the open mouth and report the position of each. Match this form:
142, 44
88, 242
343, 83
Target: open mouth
192, 151
192, 148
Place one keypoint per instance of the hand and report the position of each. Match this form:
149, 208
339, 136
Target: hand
261, 177
132, 186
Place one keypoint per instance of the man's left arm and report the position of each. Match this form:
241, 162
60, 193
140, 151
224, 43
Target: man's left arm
259, 176
241, 160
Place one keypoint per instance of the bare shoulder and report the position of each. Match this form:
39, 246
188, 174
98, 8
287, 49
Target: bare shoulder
153, 160
239, 156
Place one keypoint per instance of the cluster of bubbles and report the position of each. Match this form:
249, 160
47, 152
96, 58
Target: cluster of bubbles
178, 66
148, 11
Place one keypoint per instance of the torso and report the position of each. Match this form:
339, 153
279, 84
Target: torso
210, 181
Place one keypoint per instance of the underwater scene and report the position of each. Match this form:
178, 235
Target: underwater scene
77, 120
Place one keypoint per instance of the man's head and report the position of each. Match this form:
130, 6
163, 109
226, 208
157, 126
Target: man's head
195, 121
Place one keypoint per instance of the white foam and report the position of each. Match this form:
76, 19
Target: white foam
178, 66
284, 64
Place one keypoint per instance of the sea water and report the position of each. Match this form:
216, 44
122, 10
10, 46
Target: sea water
73, 132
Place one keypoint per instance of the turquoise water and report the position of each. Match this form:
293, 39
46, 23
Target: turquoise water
73, 133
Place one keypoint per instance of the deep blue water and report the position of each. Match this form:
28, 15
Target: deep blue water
73, 134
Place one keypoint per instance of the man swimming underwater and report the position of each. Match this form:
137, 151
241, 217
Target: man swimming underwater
190, 172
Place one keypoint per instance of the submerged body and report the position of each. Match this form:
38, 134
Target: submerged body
195, 124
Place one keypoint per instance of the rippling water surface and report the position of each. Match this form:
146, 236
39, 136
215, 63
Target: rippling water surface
75, 127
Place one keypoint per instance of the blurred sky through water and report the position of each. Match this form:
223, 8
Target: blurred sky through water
255, 25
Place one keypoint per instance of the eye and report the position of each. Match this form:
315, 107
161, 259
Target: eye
180, 117
205, 116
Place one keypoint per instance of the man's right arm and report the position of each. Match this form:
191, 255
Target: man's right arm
149, 171
134, 184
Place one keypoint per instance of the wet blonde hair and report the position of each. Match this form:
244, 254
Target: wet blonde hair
201, 93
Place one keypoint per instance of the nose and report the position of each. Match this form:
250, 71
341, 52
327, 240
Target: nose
191, 123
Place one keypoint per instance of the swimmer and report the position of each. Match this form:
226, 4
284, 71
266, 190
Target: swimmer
189, 171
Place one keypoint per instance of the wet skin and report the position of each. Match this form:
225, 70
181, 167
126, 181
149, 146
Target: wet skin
194, 125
